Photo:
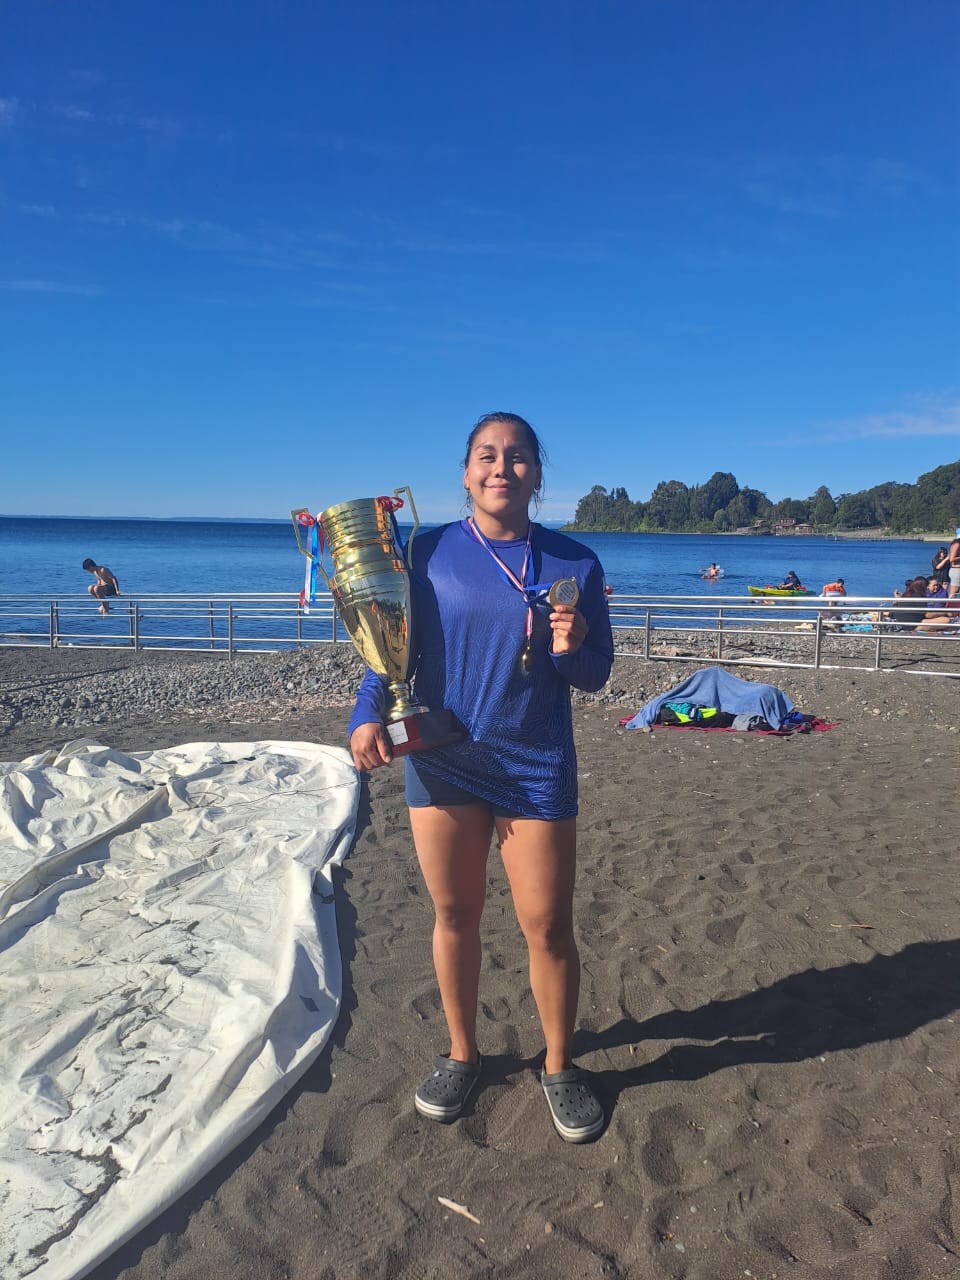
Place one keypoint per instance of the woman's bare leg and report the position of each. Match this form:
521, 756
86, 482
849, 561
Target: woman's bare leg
452, 847
540, 859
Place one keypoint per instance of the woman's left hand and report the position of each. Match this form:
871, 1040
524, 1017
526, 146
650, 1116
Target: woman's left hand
569, 628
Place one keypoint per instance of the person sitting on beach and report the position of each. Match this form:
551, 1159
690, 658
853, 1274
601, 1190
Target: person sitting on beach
946, 615
791, 583
914, 590
934, 590
106, 583
503, 659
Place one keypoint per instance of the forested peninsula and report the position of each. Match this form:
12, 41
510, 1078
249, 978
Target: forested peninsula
932, 505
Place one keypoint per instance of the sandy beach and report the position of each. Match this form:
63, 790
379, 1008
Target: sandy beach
770, 939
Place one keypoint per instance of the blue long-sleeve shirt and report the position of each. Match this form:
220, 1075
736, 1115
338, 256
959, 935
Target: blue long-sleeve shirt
470, 626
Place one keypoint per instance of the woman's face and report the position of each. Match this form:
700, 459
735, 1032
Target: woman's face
501, 475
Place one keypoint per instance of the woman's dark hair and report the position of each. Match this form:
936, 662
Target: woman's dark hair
533, 440
89, 564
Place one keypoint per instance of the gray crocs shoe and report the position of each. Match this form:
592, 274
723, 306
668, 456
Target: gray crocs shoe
577, 1115
444, 1092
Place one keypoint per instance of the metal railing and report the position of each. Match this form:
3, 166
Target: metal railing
859, 632
208, 623
865, 633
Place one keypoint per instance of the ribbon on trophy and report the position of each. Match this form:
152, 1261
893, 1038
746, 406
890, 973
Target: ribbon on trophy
308, 595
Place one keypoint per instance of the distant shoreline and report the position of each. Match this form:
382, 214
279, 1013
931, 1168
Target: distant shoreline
848, 535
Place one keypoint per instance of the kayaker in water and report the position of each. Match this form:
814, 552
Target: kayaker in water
791, 583
712, 572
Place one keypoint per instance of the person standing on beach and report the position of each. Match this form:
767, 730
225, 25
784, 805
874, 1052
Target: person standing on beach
953, 558
941, 566
106, 584
498, 654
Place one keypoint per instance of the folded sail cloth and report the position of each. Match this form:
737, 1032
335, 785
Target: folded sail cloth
714, 687
168, 945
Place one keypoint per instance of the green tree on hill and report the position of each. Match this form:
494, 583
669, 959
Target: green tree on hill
932, 504
823, 509
669, 506
707, 499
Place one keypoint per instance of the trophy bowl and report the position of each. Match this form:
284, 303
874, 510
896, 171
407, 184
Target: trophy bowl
371, 588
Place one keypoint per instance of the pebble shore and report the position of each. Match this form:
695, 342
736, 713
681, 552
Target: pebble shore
75, 690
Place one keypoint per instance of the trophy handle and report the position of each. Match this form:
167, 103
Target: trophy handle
295, 516
416, 521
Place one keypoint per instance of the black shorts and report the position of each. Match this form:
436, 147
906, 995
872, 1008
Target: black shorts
424, 791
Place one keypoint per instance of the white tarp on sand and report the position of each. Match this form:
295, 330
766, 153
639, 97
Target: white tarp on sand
168, 968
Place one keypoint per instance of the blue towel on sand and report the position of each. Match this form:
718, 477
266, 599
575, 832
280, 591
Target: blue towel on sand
714, 687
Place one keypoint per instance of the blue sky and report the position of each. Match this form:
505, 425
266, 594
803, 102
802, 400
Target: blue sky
256, 257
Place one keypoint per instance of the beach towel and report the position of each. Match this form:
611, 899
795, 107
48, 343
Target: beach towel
169, 968
715, 687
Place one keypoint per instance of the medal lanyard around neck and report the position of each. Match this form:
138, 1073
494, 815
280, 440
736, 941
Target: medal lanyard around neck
521, 582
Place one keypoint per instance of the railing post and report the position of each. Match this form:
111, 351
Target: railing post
130, 627
136, 627
213, 640
646, 634
876, 655
719, 632
299, 624
229, 632
817, 640
53, 624
335, 637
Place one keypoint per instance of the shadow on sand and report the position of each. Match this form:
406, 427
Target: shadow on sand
802, 1016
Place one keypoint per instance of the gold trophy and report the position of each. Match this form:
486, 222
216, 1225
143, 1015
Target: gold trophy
371, 588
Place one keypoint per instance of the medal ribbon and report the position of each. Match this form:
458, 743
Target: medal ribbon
521, 582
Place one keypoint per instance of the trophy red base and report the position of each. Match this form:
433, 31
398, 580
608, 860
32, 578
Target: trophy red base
424, 731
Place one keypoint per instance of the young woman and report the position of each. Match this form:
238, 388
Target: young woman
941, 566
499, 654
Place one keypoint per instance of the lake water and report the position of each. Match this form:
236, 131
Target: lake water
43, 557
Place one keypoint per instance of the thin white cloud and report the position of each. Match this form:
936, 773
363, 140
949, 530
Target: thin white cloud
194, 233
158, 124
826, 186
8, 112
872, 171
146, 124
39, 210
49, 287
105, 219
933, 414
76, 113
805, 203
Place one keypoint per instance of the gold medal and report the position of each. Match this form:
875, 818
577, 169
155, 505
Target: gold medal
564, 591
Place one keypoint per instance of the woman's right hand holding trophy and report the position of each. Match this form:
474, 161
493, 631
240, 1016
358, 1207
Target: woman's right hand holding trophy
370, 747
